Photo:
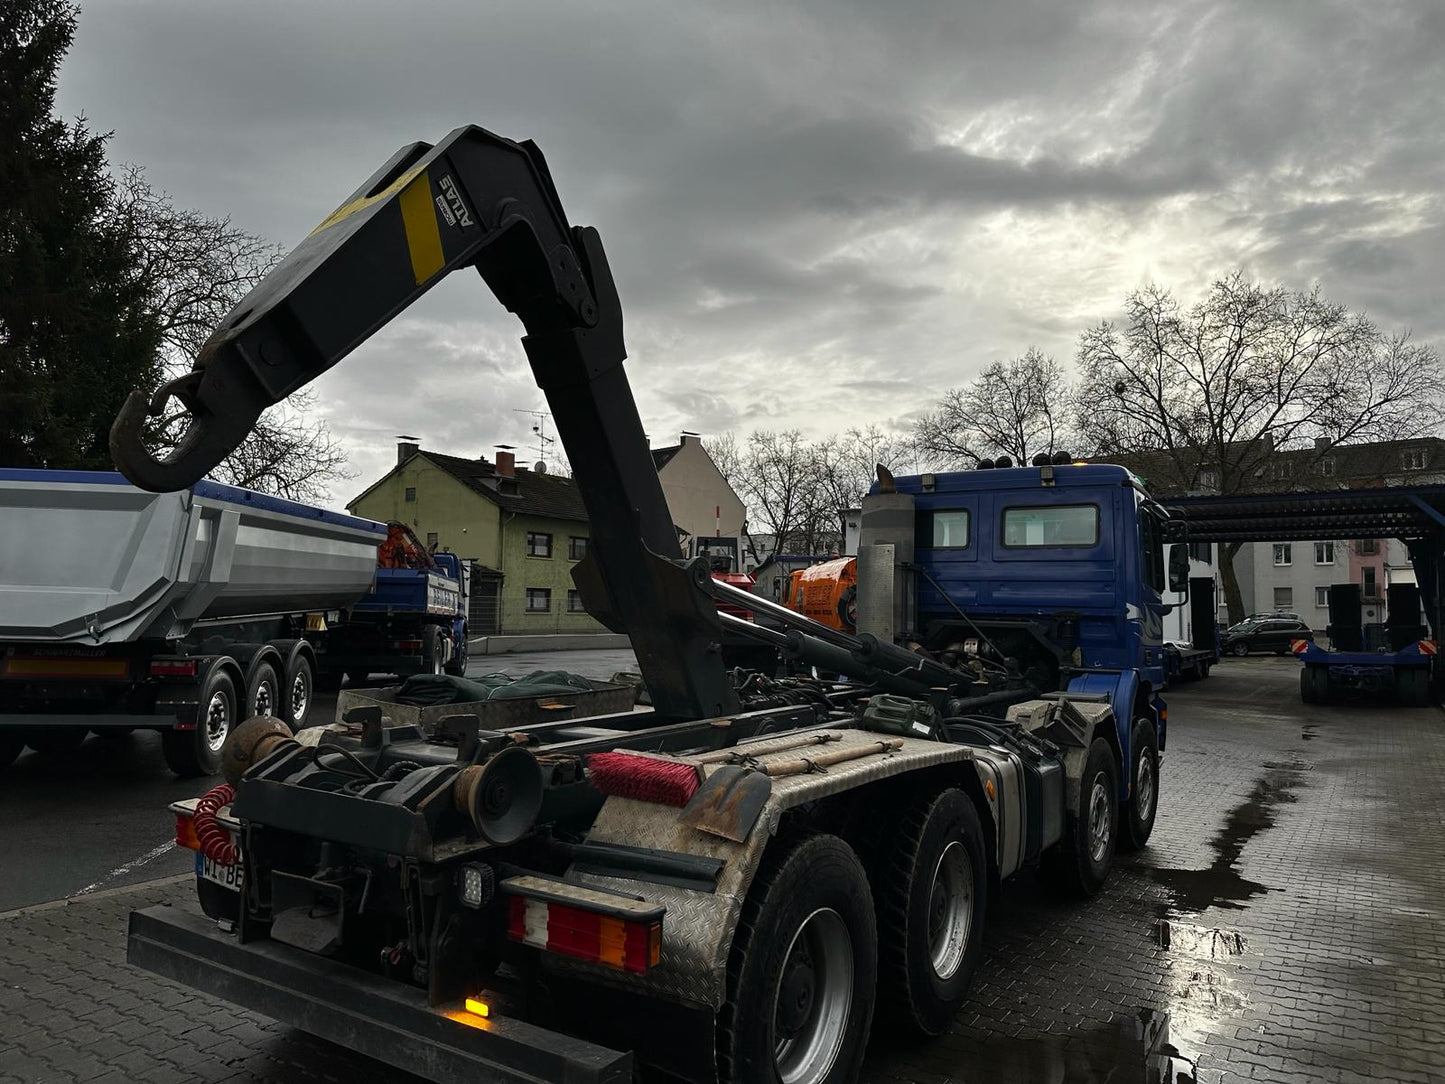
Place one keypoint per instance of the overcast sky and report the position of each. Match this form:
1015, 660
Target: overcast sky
819, 214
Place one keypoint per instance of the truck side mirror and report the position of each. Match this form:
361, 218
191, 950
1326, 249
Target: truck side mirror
1179, 567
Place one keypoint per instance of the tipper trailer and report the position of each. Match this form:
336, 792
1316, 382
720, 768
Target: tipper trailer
188, 611
727, 887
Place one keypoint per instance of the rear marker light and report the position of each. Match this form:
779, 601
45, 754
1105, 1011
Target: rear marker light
585, 935
186, 832
174, 668
478, 1008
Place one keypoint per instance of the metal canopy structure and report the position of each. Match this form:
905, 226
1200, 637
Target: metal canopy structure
1404, 512
1413, 514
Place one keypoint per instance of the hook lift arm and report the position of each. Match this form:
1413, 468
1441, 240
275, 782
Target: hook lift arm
473, 200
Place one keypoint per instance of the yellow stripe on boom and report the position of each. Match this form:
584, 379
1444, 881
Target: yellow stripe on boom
423, 235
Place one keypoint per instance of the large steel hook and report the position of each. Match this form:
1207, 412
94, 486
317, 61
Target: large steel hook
209, 437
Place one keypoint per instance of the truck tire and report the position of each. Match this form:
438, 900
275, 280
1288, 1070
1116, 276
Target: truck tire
1079, 864
11, 746
1139, 812
1412, 686
58, 742
432, 639
300, 688
198, 751
802, 970
932, 896
457, 664
263, 691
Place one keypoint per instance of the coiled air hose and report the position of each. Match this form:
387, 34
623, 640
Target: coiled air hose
215, 841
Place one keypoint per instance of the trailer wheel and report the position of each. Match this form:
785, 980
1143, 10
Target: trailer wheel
11, 746
1412, 686
263, 692
300, 686
1079, 864
932, 898
802, 969
1139, 811
198, 752
57, 742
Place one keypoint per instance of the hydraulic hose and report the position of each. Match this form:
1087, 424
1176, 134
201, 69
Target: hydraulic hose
215, 841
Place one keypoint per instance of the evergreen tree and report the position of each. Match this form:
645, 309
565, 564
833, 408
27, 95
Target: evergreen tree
76, 333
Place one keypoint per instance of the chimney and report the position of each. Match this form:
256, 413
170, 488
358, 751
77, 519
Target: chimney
506, 465
405, 450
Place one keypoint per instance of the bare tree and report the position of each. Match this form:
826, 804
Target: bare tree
194, 269
1209, 394
1016, 408
846, 466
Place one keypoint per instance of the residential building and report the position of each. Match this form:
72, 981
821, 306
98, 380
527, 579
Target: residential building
522, 530
702, 503
525, 530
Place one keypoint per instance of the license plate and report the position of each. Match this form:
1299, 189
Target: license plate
231, 877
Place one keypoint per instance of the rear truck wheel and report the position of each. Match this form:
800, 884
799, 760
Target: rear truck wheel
263, 692
1412, 686
11, 746
1306, 685
300, 687
198, 751
57, 742
1143, 804
802, 970
432, 639
457, 664
931, 903
1079, 864
1241, 649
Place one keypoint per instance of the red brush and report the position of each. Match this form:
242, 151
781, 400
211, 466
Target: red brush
648, 779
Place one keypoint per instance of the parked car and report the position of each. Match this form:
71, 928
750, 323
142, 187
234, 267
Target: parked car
1269, 634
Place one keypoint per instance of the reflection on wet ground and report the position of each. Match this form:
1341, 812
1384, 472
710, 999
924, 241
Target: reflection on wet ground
1220, 885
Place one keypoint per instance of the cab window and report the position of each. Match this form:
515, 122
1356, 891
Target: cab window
1051, 526
949, 530
1151, 538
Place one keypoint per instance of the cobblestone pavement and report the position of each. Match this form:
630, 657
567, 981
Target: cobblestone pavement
1285, 915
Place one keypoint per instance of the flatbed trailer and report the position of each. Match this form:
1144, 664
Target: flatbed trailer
725, 887
1327, 676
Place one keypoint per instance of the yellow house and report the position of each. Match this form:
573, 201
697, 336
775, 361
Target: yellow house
522, 531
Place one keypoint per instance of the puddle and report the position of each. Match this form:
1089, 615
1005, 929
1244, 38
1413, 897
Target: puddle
1132, 1051
1220, 885
1205, 990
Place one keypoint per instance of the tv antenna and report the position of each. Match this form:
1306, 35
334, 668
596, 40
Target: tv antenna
539, 429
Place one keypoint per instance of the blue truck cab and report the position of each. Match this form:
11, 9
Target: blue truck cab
1060, 574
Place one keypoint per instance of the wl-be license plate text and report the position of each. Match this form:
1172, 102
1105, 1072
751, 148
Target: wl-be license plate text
231, 877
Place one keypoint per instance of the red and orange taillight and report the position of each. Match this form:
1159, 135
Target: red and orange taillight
600, 927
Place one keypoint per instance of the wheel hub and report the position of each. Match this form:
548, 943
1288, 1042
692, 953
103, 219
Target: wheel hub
950, 910
795, 1000
813, 999
1099, 819
298, 698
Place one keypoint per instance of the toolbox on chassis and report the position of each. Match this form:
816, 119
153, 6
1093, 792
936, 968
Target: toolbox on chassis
725, 887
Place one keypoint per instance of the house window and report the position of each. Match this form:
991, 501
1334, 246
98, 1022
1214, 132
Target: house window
410, 494
1322, 597
539, 600
1368, 546
1324, 553
539, 544
576, 548
1200, 551
1327, 468
1281, 472
1283, 598
431, 540
1415, 459
1369, 581
574, 602
1283, 554
1208, 479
